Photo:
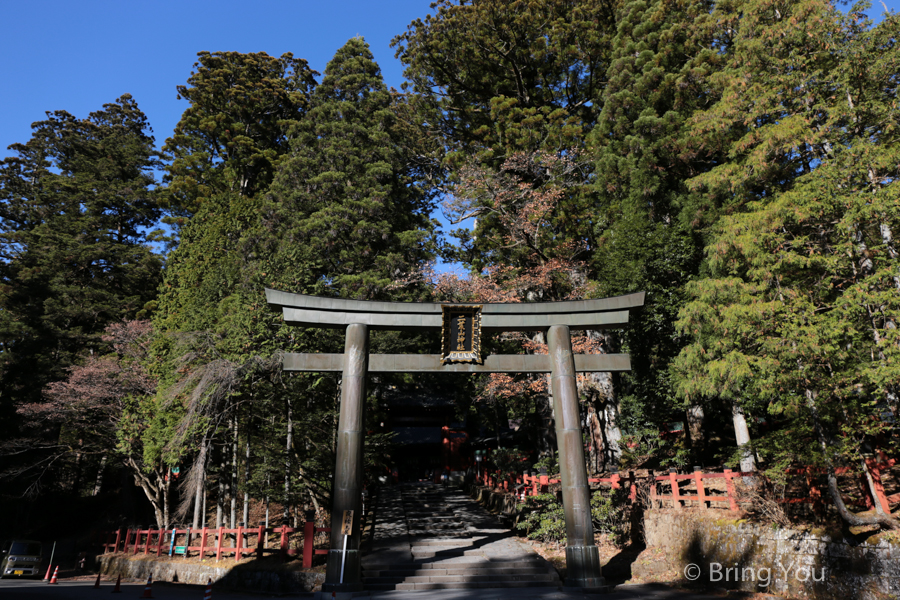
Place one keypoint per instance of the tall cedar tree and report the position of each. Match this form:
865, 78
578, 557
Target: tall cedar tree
232, 136
798, 320
215, 336
345, 205
645, 241
497, 78
494, 71
77, 200
512, 88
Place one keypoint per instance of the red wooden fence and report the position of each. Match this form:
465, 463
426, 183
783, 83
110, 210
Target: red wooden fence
525, 485
160, 541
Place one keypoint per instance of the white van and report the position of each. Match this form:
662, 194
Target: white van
20, 558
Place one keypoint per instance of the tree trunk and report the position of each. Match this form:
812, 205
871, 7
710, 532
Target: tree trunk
76, 470
595, 430
220, 497
872, 490
156, 487
611, 431
247, 479
198, 475
742, 435
695, 417
234, 467
287, 463
883, 520
98, 483
606, 404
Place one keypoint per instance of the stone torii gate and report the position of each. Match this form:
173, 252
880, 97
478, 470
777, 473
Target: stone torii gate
461, 325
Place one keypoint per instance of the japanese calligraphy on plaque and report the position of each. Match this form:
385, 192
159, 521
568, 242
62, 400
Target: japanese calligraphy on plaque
461, 334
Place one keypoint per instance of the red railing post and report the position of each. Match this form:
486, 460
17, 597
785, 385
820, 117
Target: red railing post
632, 493
259, 542
219, 537
159, 542
729, 488
309, 534
676, 494
284, 542
238, 552
204, 537
137, 541
147, 540
815, 494
654, 497
118, 539
614, 480
701, 493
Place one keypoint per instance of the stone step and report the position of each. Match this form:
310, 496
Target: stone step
439, 552
441, 543
483, 570
463, 585
535, 578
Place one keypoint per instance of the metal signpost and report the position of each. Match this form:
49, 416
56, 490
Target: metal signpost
346, 530
461, 326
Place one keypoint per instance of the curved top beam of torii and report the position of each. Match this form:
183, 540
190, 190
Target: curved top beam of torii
317, 311
321, 312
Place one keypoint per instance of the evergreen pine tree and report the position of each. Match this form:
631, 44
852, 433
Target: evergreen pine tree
349, 216
77, 200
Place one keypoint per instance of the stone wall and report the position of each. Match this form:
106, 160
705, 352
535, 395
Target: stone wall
501, 504
734, 554
227, 574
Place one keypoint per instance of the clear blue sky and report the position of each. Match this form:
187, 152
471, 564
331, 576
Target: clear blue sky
77, 55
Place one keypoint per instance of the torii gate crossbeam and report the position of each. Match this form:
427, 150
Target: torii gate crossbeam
462, 324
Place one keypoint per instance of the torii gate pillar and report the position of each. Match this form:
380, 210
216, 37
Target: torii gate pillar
583, 568
348, 470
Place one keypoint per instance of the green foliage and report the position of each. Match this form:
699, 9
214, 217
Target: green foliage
610, 514
75, 202
501, 76
233, 135
510, 461
542, 518
344, 215
797, 319
344, 205
646, 238
549, 461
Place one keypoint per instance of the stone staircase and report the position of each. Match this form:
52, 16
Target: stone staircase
428, 537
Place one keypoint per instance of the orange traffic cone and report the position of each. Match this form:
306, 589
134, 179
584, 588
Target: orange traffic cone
207, 595
148, 593
116, 589
55, 573
97, 583
47, 576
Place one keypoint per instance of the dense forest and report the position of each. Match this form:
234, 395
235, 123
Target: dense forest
736, 160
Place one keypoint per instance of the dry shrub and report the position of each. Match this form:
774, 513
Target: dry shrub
758, 496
